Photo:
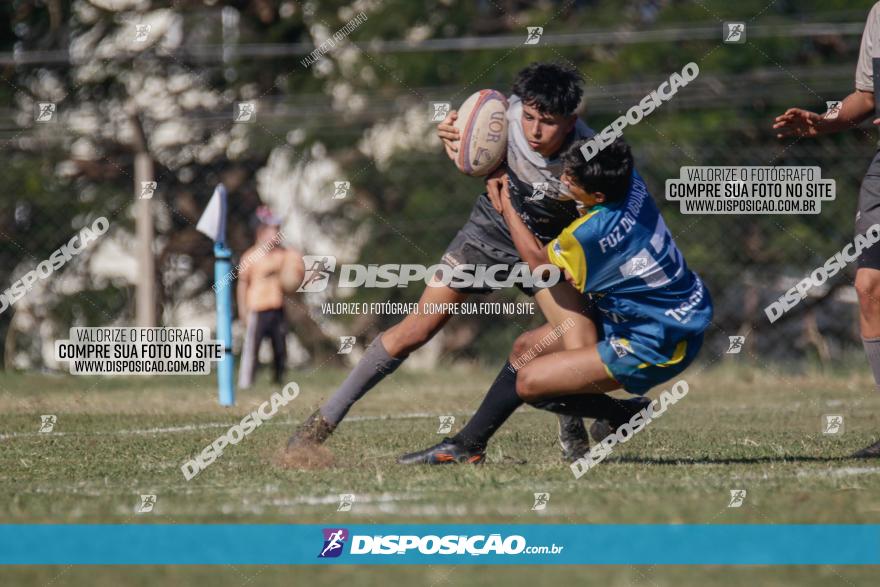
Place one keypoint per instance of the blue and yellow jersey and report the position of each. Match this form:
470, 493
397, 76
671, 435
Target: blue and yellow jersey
623, 256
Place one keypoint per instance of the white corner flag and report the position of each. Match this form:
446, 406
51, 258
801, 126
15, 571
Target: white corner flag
213, 221
213, 225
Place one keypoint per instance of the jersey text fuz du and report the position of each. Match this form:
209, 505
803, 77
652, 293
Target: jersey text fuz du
624, 257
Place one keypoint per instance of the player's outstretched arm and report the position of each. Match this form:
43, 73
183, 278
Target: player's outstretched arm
796, 122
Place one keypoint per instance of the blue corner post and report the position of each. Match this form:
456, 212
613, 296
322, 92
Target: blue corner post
223, 286
222, 267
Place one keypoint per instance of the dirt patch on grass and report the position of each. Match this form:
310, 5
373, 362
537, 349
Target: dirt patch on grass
306, 457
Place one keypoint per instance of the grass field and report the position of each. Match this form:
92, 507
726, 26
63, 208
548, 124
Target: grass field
738, 428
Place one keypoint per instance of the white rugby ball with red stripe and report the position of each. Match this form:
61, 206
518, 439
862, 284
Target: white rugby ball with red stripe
482, 126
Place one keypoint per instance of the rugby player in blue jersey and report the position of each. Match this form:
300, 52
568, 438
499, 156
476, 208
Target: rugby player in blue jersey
542, 124
649, 311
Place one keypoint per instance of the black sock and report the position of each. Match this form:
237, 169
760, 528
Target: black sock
500, 402
597, 406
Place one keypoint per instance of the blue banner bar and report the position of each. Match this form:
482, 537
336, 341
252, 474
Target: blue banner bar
250, 544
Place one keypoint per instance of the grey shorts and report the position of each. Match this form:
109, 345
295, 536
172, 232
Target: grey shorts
483, 240
869, 212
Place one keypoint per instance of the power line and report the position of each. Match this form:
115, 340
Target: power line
221, 53
768, 86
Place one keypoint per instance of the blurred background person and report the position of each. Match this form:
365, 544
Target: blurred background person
267, 271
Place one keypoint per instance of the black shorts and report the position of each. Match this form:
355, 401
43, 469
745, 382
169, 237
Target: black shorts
484, 240
869, 213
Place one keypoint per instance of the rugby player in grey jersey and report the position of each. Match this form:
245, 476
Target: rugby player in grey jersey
542, 123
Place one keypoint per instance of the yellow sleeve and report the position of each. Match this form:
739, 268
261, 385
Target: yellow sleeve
567, 253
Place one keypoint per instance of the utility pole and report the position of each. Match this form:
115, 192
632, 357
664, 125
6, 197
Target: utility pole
144, 178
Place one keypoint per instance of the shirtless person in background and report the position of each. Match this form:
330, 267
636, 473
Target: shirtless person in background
267, 270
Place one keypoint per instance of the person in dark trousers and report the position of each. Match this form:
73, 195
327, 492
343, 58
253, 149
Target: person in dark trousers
266, 270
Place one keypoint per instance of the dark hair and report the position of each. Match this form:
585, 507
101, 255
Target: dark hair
609, 171
552, 88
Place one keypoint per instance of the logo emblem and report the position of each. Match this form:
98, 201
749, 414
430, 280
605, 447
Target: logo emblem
245, 112
621, 346
639, 264
148, 188
318, 271
541, 501
533, 34
832, 424
340, 189
539, 190
346, 344
833, 109
446, 423
334, 540
478, 156
439, 111
147, 503
734, 32
737, 498
47, 423
45, 112
142, 32
735, 344
346, 500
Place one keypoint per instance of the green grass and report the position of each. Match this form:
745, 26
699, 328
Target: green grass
738, 428
441, 576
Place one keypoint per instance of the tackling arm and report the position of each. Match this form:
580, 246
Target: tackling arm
527, 244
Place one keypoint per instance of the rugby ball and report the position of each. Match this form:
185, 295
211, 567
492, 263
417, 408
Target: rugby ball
482, 126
